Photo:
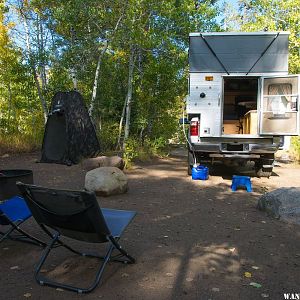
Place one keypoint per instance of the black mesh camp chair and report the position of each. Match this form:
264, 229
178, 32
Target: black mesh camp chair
13, 209
77, 215
14, 212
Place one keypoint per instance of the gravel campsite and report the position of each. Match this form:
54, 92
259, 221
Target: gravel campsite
191, 239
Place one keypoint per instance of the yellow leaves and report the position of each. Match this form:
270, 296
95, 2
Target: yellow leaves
11, 25
247, 274
120, 55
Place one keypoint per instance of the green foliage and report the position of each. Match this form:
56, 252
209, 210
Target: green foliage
21, 119
67, 36
135, 149
131, 151
296, 147
108, 136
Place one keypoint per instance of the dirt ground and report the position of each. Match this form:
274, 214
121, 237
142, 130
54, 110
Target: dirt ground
191, 239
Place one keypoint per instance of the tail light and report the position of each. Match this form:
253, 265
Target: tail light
194, 128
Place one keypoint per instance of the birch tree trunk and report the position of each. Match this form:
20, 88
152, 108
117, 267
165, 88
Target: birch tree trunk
33, 68
97, 75
121, 124
74, 78
129, 95
41, 53
72, 70
97, 72
9, 106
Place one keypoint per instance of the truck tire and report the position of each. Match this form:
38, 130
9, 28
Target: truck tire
190, 164
262, 172
189, 170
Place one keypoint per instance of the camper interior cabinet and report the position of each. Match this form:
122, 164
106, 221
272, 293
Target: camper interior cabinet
240, 105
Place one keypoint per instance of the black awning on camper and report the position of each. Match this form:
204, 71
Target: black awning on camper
239, 52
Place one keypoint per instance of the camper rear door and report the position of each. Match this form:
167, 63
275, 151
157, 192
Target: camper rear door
279, 105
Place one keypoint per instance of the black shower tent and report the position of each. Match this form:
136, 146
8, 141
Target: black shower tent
69, 134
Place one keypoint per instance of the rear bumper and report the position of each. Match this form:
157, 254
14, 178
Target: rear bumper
236, 148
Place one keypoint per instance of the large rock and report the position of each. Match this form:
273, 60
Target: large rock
106, 181
283, 203
103, 161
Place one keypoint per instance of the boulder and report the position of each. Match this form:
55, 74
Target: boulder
103, 161
106, 181
283, 203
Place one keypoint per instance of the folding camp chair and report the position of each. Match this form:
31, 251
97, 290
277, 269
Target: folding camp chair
13, 212
77, 215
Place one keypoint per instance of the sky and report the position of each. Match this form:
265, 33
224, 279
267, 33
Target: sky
234, 3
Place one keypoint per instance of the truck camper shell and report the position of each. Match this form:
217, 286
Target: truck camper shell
241, 98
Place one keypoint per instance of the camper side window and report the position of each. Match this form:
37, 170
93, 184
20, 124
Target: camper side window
280, 99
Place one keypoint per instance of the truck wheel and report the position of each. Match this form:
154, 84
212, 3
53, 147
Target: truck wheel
267, 171
190, 163
189, 170
264, 172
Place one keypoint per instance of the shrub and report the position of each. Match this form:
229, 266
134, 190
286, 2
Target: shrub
18, 143
296, 147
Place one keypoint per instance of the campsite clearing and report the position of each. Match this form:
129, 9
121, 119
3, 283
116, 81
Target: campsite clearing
191, 239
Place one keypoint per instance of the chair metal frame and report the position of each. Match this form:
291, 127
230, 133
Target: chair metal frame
23, 236
55, 241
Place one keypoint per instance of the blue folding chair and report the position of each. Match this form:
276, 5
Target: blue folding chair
76, 215
13, 212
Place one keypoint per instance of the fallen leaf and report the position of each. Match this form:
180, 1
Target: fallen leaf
215, 289
231, 249
27, 295
169, 274
255, 267
165, 236
255, 284
14, 268
248, 274
265, 295
60, 290
189, 279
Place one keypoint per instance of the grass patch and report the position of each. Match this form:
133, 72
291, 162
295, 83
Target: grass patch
295, 149
19, 143
135, 151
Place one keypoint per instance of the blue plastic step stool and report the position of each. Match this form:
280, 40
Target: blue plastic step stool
241, 181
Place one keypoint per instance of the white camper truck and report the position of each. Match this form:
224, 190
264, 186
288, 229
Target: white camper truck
241, 99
